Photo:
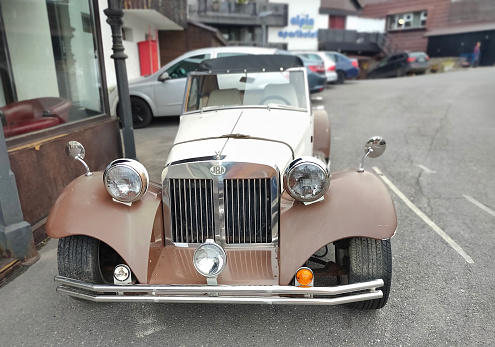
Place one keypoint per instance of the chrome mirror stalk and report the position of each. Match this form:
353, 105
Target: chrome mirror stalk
76, 151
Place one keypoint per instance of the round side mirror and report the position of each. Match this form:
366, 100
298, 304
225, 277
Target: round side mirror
377, 146
75, 150
163, 77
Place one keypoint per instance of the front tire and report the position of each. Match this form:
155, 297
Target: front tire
366, 259
86, 259
400, 72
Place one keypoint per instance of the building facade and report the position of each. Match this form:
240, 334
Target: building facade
442, 28
52, 90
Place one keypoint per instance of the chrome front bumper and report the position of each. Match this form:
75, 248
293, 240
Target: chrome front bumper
222, 294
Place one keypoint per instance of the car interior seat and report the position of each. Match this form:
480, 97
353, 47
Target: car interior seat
225, 97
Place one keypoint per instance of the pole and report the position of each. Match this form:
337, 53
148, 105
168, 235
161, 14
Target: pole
114, 13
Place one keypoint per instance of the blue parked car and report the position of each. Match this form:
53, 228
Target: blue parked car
346, 67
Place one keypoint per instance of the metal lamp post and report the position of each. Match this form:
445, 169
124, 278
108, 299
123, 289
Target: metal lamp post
114, 13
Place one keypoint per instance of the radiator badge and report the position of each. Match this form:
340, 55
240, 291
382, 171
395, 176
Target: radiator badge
218, 170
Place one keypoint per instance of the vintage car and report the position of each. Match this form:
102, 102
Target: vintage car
246, 210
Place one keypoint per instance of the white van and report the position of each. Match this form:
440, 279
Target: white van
161, 94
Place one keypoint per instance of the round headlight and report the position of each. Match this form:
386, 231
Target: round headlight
126, 180
306, 179
209, 259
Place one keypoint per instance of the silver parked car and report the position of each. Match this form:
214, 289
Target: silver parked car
161, 94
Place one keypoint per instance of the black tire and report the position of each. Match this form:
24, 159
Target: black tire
340, 77
366, 259
400, 72
86, 259
141, 113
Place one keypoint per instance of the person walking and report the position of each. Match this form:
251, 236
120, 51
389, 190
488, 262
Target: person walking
476, 54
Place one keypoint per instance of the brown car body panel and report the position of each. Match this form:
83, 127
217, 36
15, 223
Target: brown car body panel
322, 133
136, 232
356, 204
85, 208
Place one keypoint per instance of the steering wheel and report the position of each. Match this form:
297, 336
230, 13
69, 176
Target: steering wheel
274, 97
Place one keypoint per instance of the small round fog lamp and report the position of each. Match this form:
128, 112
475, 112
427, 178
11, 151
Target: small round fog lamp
209, 259
122, 273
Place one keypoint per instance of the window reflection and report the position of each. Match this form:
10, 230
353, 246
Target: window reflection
48, 64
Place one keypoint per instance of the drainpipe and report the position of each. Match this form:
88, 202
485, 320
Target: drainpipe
114, 13
16, 236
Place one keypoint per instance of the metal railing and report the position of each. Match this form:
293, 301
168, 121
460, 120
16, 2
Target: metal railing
384, 41
233, 9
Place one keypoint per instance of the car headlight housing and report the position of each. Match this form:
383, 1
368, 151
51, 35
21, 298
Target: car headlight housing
126, 180
209, 259
306, 179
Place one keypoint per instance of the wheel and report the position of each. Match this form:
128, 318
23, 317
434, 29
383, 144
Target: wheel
274, 97
340, 77
400, 72
86, 259
366, 259
141, 113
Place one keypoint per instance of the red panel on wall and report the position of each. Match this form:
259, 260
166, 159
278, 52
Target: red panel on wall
148, 57
336, 22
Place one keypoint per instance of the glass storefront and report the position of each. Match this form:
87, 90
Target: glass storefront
49, 67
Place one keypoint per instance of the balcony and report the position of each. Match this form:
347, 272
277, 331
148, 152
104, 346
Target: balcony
238, 12
164, 14
353, 41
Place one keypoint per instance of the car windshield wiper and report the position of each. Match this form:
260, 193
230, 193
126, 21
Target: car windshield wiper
285, 107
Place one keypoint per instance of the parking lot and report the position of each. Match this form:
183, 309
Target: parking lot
439, 167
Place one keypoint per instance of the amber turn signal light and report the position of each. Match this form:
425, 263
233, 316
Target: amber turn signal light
304, 277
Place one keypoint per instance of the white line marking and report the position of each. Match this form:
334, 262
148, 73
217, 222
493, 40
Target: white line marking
424, 217
426, 169
480, 205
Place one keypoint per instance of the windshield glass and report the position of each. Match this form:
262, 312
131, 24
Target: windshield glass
287, 89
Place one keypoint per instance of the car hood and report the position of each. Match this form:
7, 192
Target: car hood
271, 127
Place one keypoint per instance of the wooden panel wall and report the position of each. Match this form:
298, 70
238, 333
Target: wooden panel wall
42, 169
175, 43
414, 39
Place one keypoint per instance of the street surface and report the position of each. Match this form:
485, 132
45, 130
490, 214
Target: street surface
439, 165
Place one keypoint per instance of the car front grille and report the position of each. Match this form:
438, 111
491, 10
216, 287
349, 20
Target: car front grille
247, 210
191, 210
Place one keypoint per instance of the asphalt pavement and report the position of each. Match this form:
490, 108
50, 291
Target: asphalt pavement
439, 165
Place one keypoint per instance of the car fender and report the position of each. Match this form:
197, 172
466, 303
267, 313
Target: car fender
355, 205
138, 94
322, 132
85, 208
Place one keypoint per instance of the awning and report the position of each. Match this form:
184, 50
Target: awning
461, 29
153, 17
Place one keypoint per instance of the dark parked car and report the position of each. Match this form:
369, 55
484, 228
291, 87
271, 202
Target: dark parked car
346, 67
317, 78
401, 64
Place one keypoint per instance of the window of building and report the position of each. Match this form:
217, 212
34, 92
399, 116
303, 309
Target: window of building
404, 21
48, 64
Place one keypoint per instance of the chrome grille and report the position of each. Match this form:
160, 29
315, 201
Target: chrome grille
248, 211
191, 210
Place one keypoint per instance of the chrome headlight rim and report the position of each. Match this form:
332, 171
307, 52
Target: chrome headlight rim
220, 254
137, 168
296, 164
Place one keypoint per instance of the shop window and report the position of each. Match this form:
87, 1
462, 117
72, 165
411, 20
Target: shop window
48, 65
404, 21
